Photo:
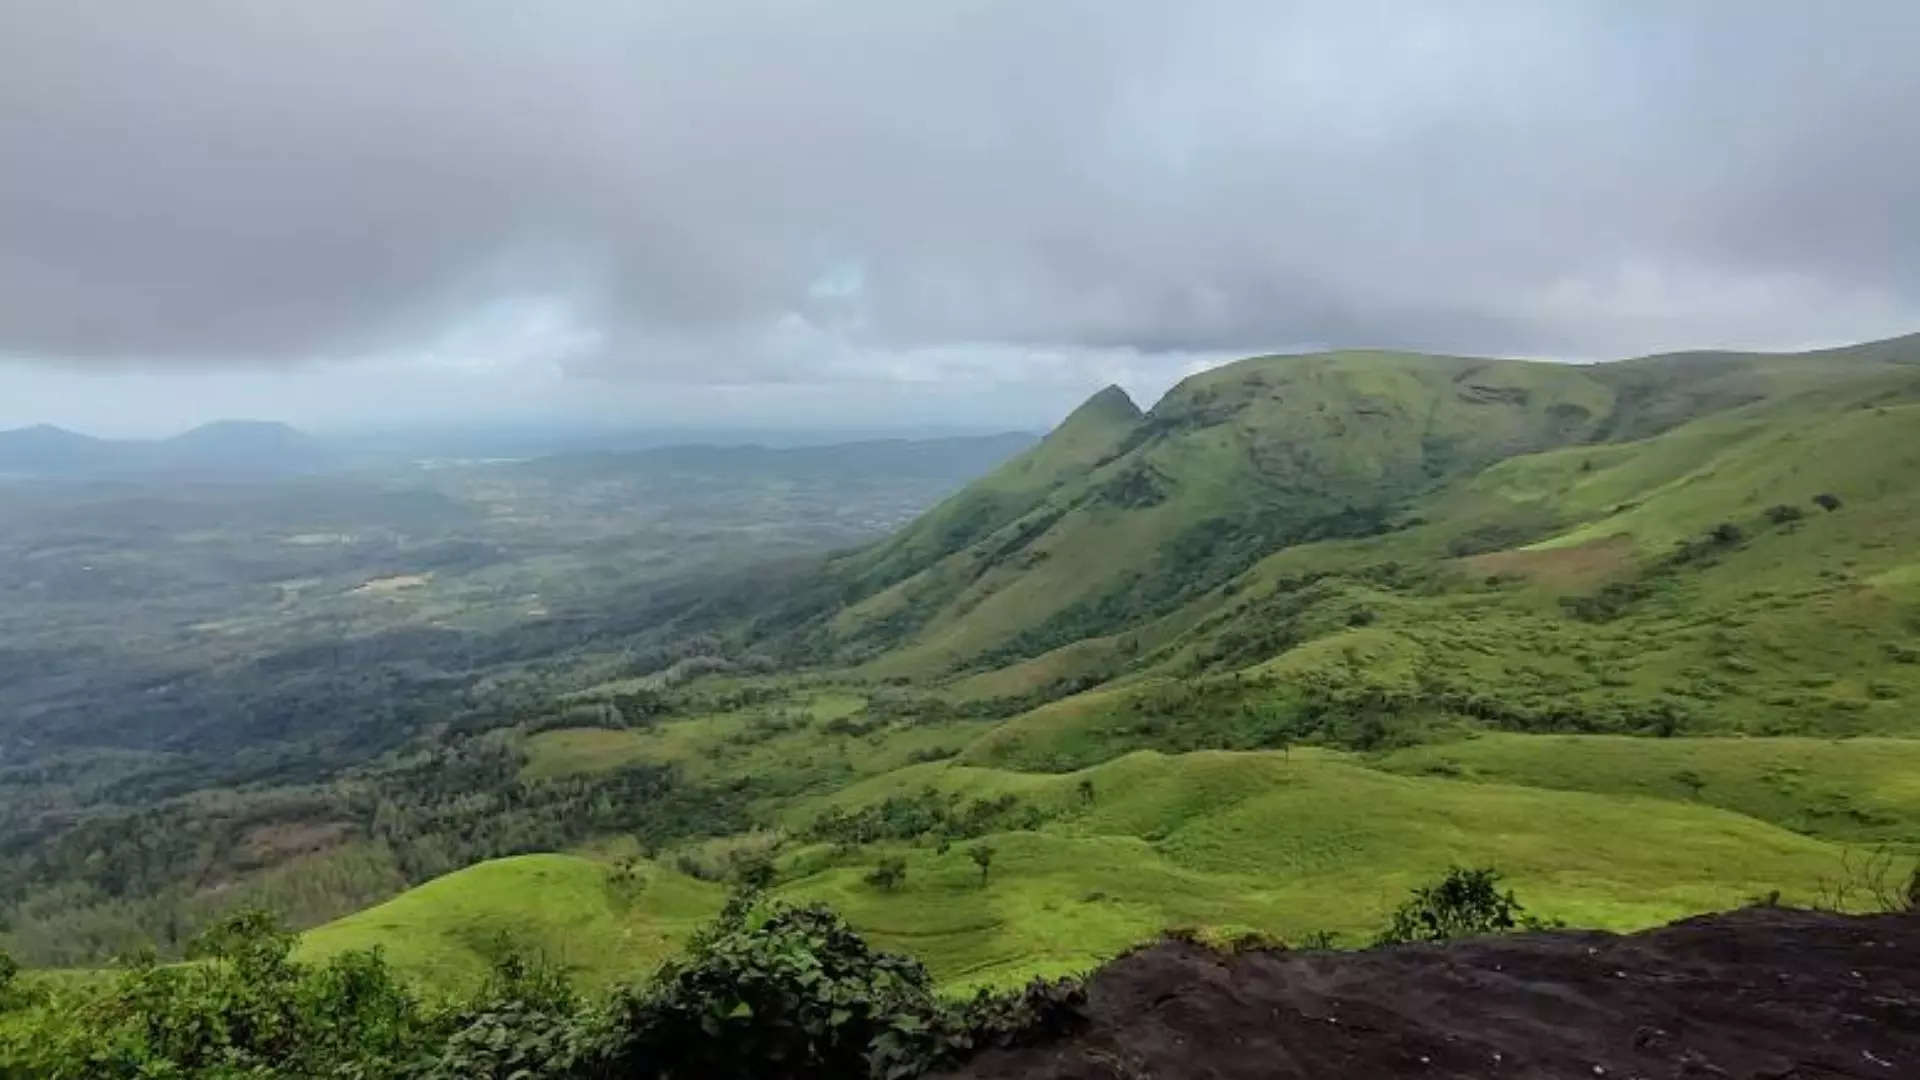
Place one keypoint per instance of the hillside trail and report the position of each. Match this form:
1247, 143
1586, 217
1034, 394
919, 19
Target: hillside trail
1759, 993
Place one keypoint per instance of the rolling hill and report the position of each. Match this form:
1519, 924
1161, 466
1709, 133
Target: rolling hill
1645, 635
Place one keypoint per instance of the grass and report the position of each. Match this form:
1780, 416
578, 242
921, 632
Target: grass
1851, 790
1506, 490
570, 910
1284, 844
1288, 845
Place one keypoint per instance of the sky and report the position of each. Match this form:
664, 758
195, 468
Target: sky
880, 213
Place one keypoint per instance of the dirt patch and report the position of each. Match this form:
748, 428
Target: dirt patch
1788, 995
1575, 568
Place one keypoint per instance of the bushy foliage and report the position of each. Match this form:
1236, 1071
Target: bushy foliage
908, 817
244, 1009
1464, 903
763, 992
890, 874
796, 993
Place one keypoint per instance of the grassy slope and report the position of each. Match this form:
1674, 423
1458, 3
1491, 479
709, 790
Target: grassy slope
1261, 841
446, 932
1225, 842
1518, 485
1813, 627
1852, 790
1304, 438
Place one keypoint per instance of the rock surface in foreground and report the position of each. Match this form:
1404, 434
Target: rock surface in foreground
1785, 995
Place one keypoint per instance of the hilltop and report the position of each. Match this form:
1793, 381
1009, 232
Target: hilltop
1644, 546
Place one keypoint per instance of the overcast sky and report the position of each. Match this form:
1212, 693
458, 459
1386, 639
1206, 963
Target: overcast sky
905, 212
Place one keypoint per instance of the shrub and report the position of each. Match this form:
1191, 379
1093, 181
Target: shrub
1783, 514
1461, 904
798, 995
1827, 501
246, 1009
889, 875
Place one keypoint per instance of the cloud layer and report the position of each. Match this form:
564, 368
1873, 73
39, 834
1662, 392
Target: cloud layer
723, 193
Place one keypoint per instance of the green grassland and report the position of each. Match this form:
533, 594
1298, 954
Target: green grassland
1222, 842
1849, 790
1314, 628
573, 912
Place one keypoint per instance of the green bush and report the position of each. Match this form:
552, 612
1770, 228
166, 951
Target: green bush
889, 875
781, 993
797, 994
1461, 904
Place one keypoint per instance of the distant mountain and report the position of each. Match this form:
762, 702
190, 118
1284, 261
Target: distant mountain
45, 448
243, 445
224, 446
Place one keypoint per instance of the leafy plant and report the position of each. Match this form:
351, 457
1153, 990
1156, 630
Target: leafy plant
1461, 904
889, 875
795, 994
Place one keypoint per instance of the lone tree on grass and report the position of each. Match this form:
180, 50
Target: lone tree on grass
982, 856
889, 875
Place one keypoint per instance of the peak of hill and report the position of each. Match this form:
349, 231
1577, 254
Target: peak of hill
240, 433
223, 446
242, 445
46, 448
1123, 545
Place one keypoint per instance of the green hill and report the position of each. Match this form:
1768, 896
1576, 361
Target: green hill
1644, 635
577, 913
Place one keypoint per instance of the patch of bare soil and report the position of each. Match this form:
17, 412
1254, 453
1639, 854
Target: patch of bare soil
1761, 993
1581, 566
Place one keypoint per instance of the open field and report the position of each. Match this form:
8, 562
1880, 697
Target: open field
1225, 843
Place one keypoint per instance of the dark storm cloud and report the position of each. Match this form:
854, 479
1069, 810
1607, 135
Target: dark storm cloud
719, 190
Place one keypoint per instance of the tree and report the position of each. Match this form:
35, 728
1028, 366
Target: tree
1827, 501
889, 875
982, 856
